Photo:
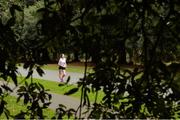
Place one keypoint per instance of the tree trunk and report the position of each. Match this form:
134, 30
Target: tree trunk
122, 50
76, 56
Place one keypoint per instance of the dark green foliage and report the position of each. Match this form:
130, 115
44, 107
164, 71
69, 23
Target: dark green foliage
68, 79
71, 91
62, 111
106, 31
36, 98
21, 115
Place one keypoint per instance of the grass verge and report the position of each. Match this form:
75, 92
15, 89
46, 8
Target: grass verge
70, 68
15, 108
56, 87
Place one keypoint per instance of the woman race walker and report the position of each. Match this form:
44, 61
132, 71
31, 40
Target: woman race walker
62, 67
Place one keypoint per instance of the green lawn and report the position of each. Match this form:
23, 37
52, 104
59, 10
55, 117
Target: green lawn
56, 87
53, 87
70, 68
15, 108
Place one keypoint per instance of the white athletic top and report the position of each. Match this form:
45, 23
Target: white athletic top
62, 62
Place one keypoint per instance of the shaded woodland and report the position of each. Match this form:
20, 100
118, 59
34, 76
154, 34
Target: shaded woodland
111, 33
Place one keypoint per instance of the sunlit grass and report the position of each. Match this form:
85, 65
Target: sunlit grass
15, 108
70, 68
56, 87
53, 86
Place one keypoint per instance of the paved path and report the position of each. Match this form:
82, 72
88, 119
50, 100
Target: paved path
52, 75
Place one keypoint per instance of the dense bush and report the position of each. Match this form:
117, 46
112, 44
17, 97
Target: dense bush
106, 31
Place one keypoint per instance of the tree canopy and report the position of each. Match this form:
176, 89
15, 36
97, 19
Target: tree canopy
113, 33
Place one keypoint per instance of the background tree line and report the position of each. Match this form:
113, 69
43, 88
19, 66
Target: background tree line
107, 31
